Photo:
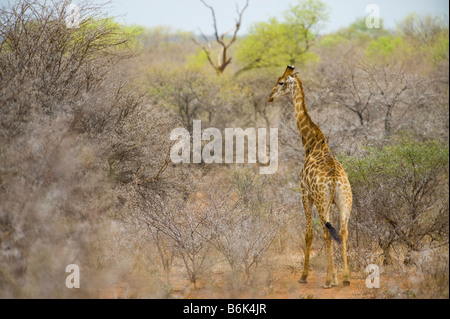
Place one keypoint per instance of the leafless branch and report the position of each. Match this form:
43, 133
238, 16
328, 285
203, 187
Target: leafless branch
222, 59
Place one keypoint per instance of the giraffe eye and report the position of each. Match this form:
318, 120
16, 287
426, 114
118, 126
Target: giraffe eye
281, 83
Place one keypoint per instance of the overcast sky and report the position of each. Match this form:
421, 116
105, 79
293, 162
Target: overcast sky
191, 15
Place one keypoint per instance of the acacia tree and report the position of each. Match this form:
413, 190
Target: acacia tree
57, 62
401, 194
377, 93
184, 91
423, 29
394, 90
223, 60
180, 233
351, 91
276, 43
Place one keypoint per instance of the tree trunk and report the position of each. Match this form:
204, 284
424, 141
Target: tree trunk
387, 122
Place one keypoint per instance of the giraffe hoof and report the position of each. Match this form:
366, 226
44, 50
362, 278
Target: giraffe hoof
327, 285
302, 280
346, 283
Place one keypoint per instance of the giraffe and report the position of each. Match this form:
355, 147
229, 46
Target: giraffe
323, 180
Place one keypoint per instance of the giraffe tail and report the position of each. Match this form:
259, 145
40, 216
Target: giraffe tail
333, 232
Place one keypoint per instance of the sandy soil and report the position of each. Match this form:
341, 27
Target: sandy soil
283, 285
286, 286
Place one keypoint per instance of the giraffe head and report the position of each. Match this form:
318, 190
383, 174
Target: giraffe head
284, 84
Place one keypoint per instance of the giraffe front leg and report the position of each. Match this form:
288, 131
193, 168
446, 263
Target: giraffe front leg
307, 206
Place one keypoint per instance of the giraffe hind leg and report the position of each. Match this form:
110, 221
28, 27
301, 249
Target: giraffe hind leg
329, 234
330, 263
346, 272
344, 204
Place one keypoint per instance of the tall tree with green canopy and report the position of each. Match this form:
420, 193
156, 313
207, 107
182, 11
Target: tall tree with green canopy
287, 41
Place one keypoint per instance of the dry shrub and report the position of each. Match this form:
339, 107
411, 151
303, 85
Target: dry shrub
242, 236
401, 210
63, 113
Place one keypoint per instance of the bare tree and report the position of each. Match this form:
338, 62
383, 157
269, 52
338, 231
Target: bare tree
397, 91
351, 91
184, 91
180, 233
378, 93
223, 60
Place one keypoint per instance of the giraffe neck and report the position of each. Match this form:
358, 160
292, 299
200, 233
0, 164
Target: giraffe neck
311, 135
